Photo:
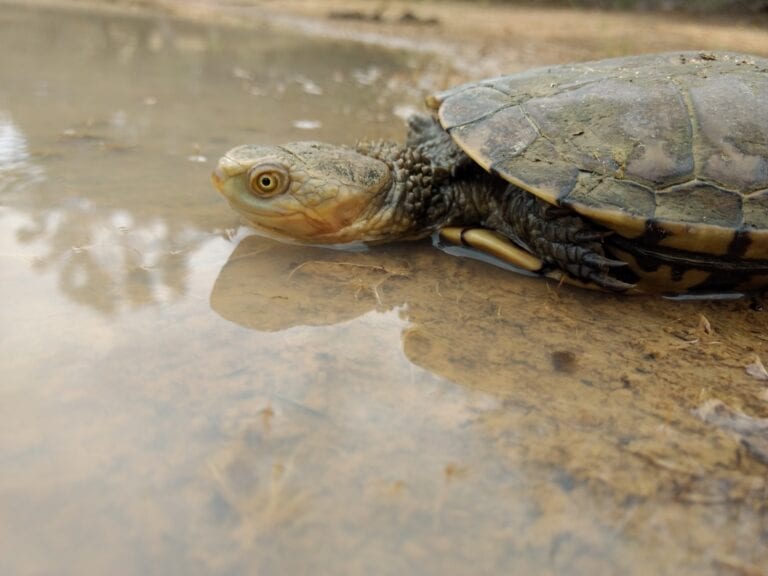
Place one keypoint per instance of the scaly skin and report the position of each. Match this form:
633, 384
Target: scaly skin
316, 193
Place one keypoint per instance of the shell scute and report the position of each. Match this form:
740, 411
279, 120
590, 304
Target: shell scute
700, 203
552, 178
502, 135
732, 115
634, 199
756, 211
472, 105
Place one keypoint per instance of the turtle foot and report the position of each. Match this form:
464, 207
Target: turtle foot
562, 240
585, 264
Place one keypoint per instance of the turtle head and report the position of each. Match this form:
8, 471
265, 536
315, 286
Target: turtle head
308, 192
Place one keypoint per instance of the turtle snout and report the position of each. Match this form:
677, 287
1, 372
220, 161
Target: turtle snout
218, 177
226, 168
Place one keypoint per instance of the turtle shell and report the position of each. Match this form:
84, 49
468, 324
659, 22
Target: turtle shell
670, 149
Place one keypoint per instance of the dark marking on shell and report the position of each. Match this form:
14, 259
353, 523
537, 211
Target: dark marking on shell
738, 246
677, 273
654, 233
689, 260
647, 262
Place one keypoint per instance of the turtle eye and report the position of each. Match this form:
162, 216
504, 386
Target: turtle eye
268, 180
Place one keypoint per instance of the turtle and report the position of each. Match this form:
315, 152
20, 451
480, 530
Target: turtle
644, 173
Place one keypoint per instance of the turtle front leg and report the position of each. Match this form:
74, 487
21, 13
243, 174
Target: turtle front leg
558, 237
426, 135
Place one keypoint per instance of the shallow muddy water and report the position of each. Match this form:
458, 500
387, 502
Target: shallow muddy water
180, 397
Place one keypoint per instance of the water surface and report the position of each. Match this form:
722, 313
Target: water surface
178, 396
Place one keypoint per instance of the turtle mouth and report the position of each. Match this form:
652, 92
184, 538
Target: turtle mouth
267, 231
218, 177
298, 226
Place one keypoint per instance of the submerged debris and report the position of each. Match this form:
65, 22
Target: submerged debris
751, 432
704, 325
757, 370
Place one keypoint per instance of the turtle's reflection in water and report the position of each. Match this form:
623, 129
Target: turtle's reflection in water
591, 399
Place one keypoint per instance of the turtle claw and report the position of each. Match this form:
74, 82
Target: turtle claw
585, 270
609, 282
598, 261
588, 263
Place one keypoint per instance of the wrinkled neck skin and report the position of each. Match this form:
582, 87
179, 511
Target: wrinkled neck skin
431, 188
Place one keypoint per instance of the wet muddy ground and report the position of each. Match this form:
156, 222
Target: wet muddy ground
180, 396
480, 39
